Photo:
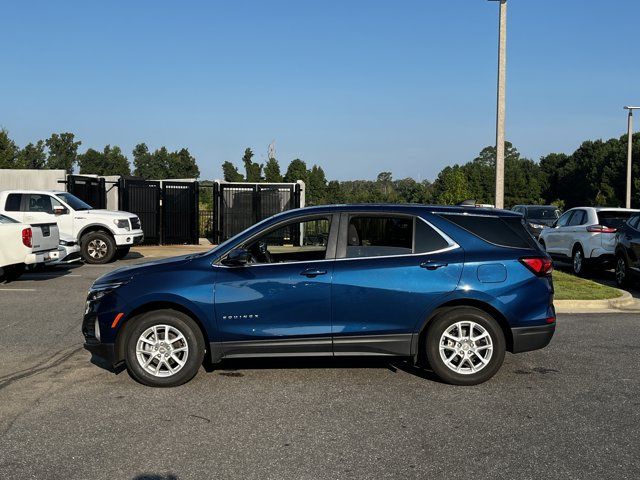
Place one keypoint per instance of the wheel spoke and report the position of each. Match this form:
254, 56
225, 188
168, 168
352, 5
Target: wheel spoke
179, 337
169, 360
178, 361
467, 341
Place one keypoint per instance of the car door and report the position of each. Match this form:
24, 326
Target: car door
280, 303
554, 237
389, 270
575, 232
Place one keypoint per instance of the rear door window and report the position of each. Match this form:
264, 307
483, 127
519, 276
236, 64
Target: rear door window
374, 236
39, 203
612, 218
578, 218
564, 219
503, 231
13, 202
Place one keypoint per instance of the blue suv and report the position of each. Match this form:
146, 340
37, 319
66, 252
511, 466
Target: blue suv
450, 288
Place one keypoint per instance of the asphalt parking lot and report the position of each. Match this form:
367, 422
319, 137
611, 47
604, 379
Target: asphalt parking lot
569, 411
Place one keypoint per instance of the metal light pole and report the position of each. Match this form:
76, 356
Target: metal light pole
501, 108
629, 153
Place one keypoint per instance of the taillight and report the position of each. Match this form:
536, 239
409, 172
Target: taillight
601, 229
27, 237
540, 266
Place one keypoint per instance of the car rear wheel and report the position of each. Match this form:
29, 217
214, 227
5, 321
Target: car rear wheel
578, 262
465, 346
623, 275
164, 348
98, 247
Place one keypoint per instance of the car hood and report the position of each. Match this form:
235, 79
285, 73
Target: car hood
127, 273
106, 213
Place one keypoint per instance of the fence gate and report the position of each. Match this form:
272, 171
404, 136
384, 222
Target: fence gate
180, 212
89, 189
142, 197
240, 205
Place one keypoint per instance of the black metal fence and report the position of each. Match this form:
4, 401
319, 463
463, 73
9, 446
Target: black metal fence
142, 197
89, 189
180, 212
237, 206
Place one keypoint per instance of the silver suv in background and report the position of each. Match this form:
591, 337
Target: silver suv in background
586, 236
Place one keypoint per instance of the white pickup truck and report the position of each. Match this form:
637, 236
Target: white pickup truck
102, 234
22, 245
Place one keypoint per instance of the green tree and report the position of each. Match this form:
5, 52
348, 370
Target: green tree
317, 187
63, 151
111, 161
272, 171
230, 173
182, 164
297, 170
8, 150
451, 186
91, 161
253, 170
32, 156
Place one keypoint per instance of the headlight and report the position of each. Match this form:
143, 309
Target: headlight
122, 224
96, 292
536, 226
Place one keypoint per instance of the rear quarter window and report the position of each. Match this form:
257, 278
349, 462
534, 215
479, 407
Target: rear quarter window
13, 202
502, 231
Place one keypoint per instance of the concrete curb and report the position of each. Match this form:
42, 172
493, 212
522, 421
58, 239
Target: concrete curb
623, 302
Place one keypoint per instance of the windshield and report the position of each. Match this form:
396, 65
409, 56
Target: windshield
543, 213
73, 201
5, 219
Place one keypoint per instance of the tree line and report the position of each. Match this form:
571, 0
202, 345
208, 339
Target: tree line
595, 174
60, 151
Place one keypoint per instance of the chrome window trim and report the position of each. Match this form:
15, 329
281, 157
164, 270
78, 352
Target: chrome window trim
452, 246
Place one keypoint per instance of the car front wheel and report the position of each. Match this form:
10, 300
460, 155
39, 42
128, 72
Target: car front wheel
98, 247
579, 263
164, 348
465, 346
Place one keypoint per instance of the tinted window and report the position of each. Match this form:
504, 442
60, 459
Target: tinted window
427, 239
545, 213
564, 219
74, 202
294, 241
613, 219
578, 218
633, 221
375, 236
503, 231
39, 203
13, 202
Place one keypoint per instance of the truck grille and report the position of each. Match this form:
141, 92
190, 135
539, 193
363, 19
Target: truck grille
135, 223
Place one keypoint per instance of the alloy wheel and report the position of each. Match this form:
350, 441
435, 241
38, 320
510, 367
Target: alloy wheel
621, 271
162, 350
466, 347
97, 248
577, 261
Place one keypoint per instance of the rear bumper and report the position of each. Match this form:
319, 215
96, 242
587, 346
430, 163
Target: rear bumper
526, 339
40, 257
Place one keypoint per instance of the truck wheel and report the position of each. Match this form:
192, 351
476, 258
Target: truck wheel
98, 247
465, 346
122, 252
164, 348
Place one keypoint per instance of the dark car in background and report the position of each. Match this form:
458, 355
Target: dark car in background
538, 216
628, 251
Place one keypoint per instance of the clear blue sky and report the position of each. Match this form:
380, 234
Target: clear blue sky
355, 86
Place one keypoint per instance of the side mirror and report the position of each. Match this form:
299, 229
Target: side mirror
237, 258
59, 210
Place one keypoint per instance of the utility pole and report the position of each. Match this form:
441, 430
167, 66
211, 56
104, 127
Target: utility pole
629, 153
501, 107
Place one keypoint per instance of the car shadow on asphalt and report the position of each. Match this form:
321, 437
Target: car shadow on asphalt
234, 367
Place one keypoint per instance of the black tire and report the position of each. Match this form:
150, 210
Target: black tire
192, 339
97, 247
448, 319
623, 273
122, 252
579, 264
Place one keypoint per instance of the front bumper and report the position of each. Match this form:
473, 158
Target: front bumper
134, 237
67, 254
526, 339
104, 351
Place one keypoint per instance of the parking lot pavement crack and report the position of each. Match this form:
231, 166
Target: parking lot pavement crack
55, 360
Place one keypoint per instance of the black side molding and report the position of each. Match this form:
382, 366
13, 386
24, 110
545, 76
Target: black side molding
526, 339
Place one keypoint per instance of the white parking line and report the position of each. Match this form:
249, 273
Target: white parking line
50, 275
17, 289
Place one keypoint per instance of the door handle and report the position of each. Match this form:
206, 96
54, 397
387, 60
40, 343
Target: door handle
429, 265
313, 272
